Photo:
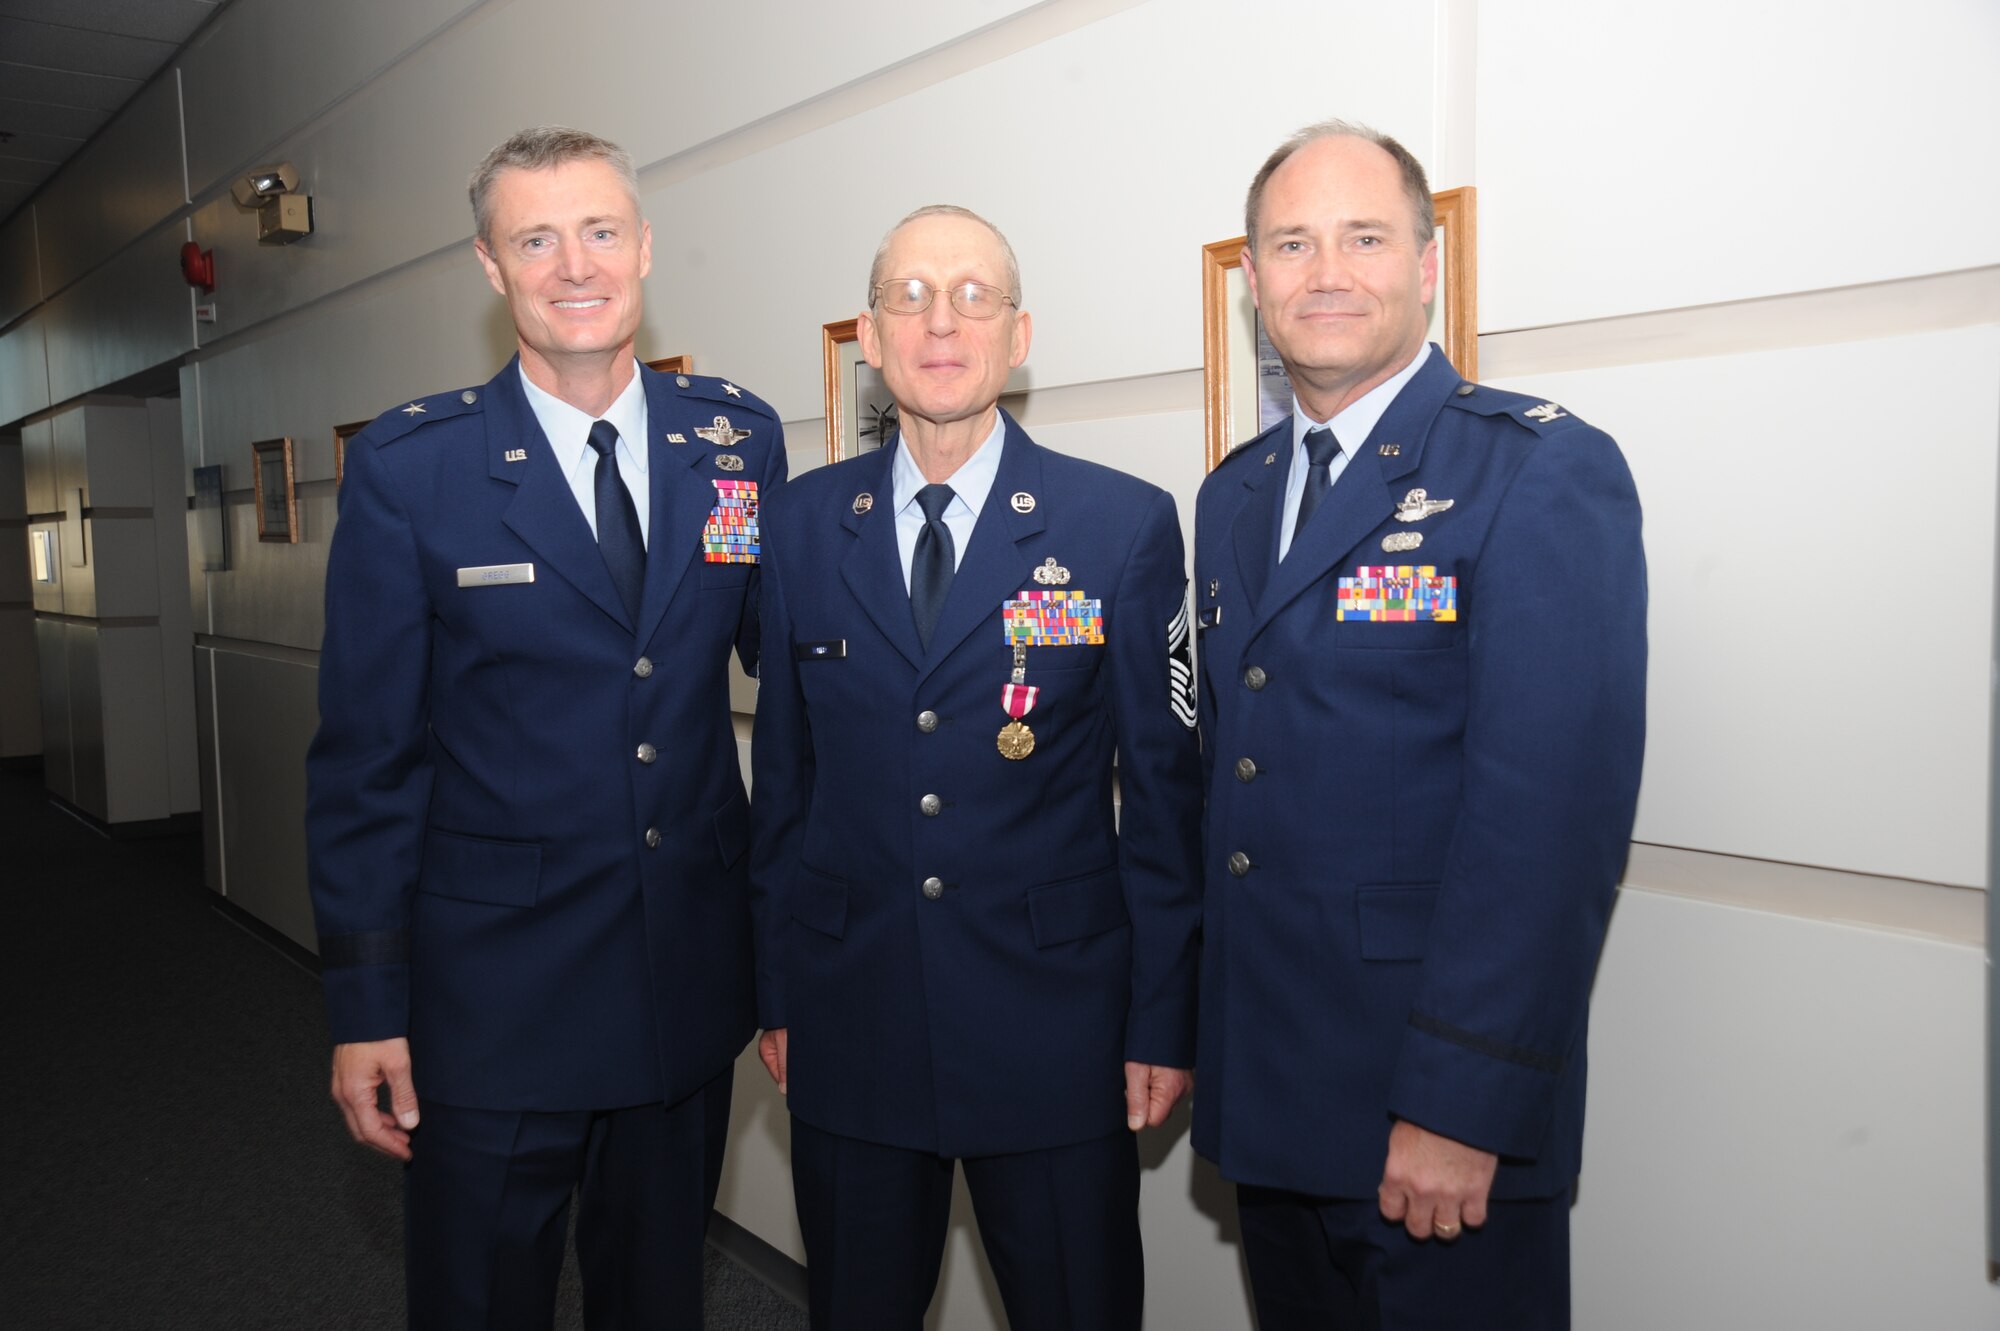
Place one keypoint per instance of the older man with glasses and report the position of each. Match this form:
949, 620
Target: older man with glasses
962, 957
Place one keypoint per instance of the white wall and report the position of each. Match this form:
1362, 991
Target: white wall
1786, 1101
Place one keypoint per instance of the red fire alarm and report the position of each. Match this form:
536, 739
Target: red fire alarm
198, 266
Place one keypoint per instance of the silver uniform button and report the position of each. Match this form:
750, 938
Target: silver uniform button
652, 838
931, 805
643, 667
1254, 678
680, 381
468, 397
647, 753
927, 721
1245, 770
1239, 864
933, 888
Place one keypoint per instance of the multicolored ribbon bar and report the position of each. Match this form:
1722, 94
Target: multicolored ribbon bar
1392, 593
731, 535
1053, 617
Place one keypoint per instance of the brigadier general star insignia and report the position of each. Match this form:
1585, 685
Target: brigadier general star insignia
414, 409
722, 434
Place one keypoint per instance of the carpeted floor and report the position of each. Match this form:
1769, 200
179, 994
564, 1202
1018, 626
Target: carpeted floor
168, 1156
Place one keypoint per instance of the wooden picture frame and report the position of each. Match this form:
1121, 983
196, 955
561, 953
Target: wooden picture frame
274, 484
682, 364
1240, 386
860, 415
341, 434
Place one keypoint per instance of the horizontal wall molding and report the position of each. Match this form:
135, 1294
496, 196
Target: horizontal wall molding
110, 622
1801, 319
268, 651
1942, 912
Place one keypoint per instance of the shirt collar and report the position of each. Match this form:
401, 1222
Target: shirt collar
970, 483
568, 429
1354, 423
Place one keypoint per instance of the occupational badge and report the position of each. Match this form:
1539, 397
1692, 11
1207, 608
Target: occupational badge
729, 461
1418, 505
1398, 541
1051, 574
722, 434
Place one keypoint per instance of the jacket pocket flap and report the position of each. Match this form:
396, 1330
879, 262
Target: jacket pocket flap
1395, 922
820, 902
474, 868
1077, 908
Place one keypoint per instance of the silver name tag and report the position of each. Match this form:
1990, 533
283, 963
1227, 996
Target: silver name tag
493, 575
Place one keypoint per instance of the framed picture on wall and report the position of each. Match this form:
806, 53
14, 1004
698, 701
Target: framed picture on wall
277, 496
210, 531
860, 414
341, 434
672, 365
1244, 389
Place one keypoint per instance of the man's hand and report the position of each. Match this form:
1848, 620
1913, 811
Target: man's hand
772, 1048
357, 1070
1433, 1184
1151, 1092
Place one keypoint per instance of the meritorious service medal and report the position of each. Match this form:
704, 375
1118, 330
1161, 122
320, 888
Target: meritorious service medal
1018, 699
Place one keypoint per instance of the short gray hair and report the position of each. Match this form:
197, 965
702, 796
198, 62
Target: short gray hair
540, 149
946, 210
1415, 184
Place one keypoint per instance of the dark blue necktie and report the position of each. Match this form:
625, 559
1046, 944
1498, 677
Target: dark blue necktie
1321, 449
931, 569
617, 521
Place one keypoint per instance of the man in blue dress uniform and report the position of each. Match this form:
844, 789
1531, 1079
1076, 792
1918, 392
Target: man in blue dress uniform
1422, 610
526, 822
962, 957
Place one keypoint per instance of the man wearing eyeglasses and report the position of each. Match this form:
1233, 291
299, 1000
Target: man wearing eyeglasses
962, 957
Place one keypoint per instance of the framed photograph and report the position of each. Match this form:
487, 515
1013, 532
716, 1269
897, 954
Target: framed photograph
860, 414
672, 365
277, 496
1244, 388
210, 531
341, 434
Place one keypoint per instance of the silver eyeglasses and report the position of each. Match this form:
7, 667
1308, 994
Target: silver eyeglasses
909, 295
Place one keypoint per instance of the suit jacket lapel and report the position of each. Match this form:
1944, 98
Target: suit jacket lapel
1255, 530
994, 567
873, 566
683, 497
1365, 494
543, 512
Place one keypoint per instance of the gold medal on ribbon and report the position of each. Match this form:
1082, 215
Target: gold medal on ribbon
1016, 740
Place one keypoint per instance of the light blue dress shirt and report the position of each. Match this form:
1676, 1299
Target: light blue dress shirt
969, 486
1351, 427
568, 431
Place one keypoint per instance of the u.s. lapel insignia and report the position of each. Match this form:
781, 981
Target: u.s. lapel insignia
731, 389
729, 461
414, 409
517, 455
1545, 413
863, 502
1214, 586
722, 434
1398, 541
1269, 458
1390, 450
1417, 505
677, 438
1023, 502
1051, 574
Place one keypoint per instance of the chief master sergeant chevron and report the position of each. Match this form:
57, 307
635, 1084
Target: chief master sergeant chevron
1423, 675
525, 819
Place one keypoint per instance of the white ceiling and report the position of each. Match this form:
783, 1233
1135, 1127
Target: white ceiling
66, 66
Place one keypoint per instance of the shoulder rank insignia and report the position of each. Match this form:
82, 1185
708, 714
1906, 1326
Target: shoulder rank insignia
731, 389
1418, 505
722, 434
1545, 413
414, 409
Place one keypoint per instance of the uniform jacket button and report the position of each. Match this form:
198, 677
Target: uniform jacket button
1254, 677
643, 667
652, 838
647, 753
1246, 770
927, 721
933, 888
1239, 864
931, 805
